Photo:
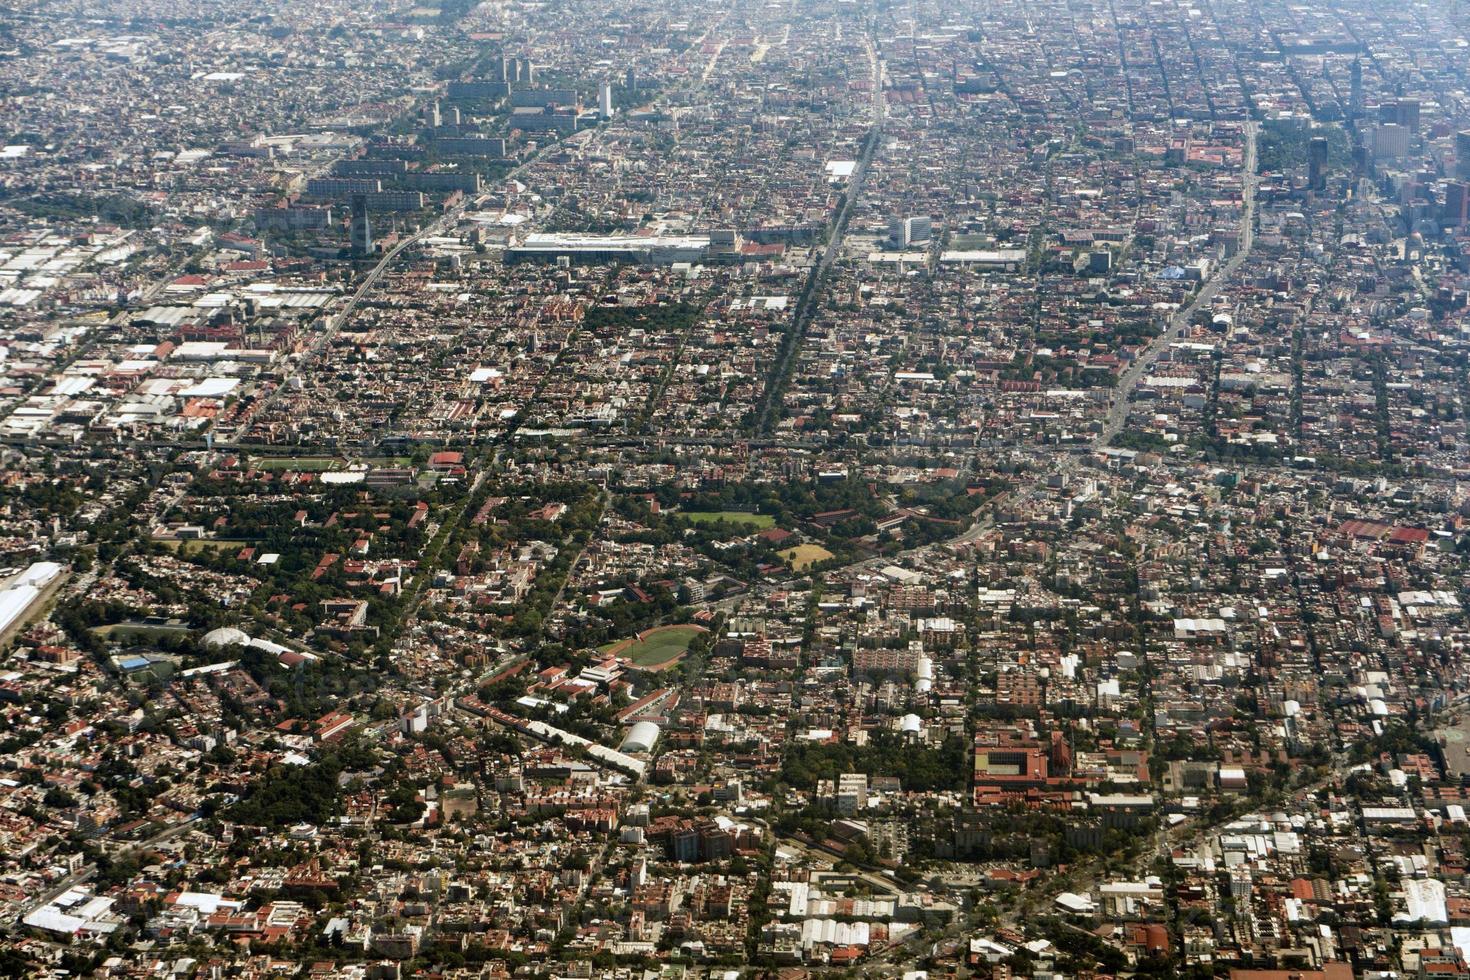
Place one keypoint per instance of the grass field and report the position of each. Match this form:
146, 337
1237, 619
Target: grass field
119, 630
759, 521
804, 556
193, 546
656, 646
298, 464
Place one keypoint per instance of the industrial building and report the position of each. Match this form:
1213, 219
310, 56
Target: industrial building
645, 250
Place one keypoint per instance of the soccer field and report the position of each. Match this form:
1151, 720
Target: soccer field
761, 521
657, 646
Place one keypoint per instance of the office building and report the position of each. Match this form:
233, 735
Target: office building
471, 146
605, 99
1456, 205
446, 181
369, 168
394, 201
909, 231
484, 89
1390, 141
536, 98
852, 793
1462, 155
1408, 114
297, 218
533, 120
1401, 112
1317, 163
725, 241
520, 71
342, 186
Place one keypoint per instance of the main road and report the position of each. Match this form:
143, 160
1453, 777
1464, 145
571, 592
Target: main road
1065, 459
1179, 323
1165, 838
335, 322
776, 385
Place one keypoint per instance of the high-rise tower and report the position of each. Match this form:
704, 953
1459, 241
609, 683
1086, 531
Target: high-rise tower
1317, 163
1355, 96
362, 231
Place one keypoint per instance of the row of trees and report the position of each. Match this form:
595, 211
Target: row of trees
288, 795
919, 767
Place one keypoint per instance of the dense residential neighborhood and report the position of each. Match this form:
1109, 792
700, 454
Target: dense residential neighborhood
657, 491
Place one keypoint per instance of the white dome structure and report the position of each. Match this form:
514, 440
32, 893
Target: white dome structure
642, 737
911, 724
225, 636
